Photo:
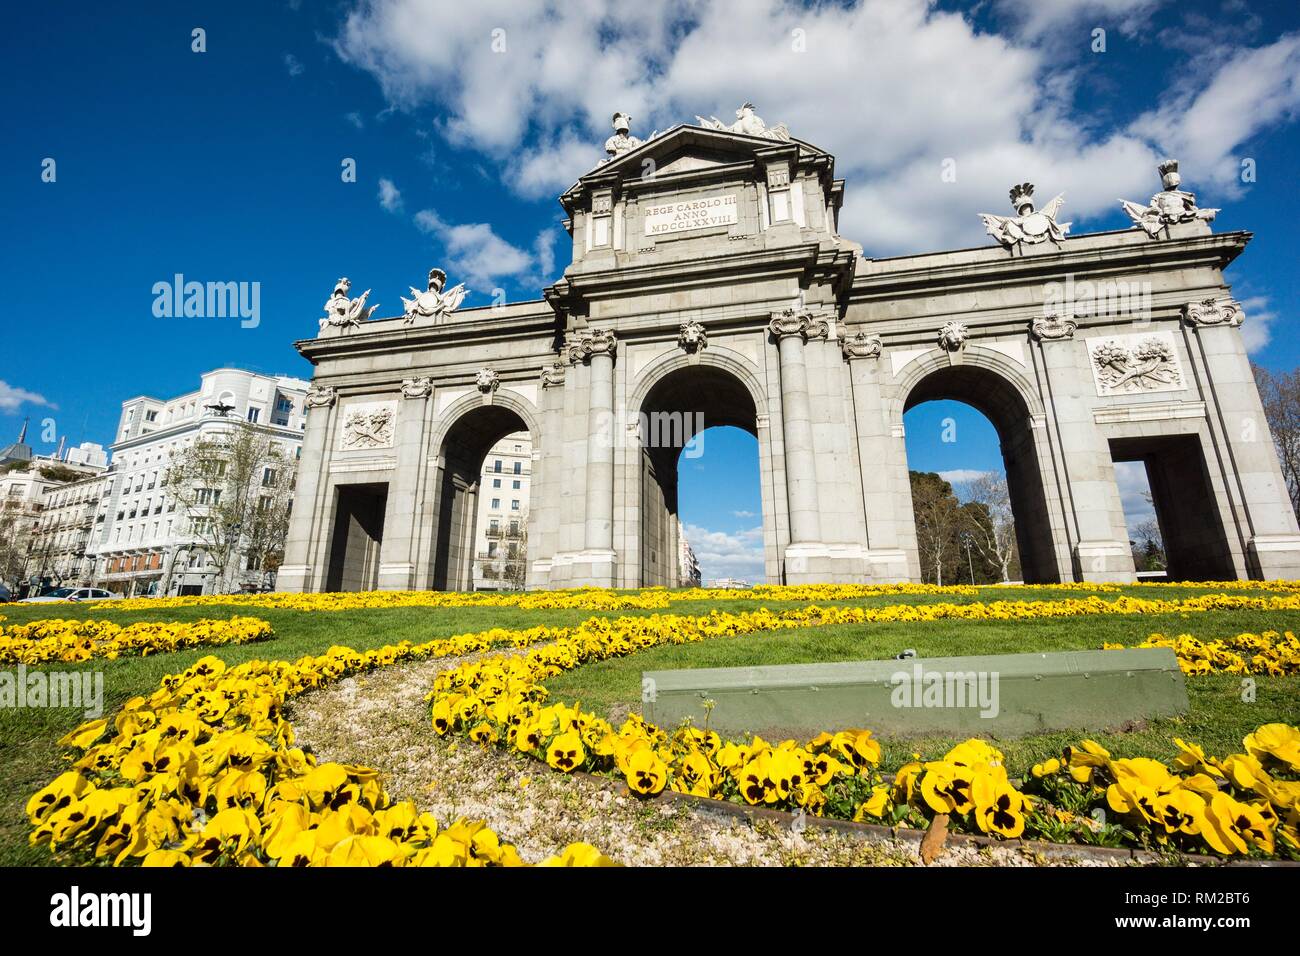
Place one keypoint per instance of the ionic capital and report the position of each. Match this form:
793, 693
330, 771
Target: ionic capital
590, 342
800, 322
1221, 311
859, 345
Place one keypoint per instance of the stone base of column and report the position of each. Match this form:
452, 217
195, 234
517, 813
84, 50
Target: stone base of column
539, 574
1104, 561
583, 569
396, 577
816, 562
887, 567
293, 578
1275, 557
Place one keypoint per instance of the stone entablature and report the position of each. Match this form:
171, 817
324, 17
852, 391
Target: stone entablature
1083, 350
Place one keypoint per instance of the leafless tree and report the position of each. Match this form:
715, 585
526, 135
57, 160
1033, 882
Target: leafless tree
15, 540
1280, 392
234, 489
1149, 546
516, 568
991, 527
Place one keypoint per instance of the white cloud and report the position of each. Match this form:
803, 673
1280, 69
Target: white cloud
355, 119
293, 65
743, 514
544, 249
1131, 476
960, 476
477, 254
1039, 18
728, 555
1204, 123
891, 87
12, 398
390, 197
1257, 329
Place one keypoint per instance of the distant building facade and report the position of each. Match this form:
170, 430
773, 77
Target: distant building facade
688, 565
35, 500
143, 544
69, 517
501, 528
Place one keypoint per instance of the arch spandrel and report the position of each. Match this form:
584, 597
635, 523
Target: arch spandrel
715, 356
989, 361
451, 416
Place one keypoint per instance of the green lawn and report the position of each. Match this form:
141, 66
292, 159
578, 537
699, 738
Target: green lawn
1218, 718
29, 758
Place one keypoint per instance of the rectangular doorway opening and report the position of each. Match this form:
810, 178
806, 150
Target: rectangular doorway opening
1186, 510
358, 534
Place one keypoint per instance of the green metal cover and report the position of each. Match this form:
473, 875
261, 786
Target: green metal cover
1003, 695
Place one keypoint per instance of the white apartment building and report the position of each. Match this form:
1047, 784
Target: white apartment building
143, 543
27, 482
688, 565
69, 517
500, 533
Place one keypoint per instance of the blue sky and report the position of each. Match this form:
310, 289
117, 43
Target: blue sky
465, 121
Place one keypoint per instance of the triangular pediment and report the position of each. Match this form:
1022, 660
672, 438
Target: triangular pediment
685, 149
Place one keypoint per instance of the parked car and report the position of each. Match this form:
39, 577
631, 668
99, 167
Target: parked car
73, 594
5, 594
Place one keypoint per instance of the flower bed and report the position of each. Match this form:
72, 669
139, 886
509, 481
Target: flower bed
595, 599
69, 642
204, 772
1271, 653
1246, 803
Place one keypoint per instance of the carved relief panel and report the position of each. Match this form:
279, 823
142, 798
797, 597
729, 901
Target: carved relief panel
1134, 364
368, 425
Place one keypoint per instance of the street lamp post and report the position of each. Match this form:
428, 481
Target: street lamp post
970, 563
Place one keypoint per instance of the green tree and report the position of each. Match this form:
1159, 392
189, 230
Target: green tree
938, 525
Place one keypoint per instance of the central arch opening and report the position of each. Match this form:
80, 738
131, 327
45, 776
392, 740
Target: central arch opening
974, 520
700, 500
481, 537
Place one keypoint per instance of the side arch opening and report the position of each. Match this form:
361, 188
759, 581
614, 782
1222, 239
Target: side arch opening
960, 536
685, 415
480, 537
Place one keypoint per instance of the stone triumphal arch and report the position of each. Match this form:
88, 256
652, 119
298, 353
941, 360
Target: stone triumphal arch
709, 285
